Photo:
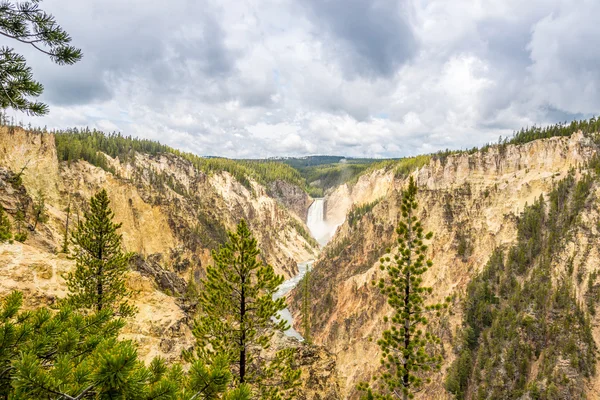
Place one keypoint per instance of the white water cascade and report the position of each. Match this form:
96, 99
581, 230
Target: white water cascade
315, 221
322, 232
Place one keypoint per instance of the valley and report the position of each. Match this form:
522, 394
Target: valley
299, 200
176, 209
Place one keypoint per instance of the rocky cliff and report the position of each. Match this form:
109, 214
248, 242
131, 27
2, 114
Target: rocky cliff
173, 215
472, 203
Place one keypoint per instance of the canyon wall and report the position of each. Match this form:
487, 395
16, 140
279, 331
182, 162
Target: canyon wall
468, 200
172, 214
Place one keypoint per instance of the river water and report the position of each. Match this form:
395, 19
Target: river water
285, 289
322, 232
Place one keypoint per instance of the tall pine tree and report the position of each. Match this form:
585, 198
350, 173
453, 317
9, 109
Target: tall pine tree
98, 281
408, 349
306, 309
238, 318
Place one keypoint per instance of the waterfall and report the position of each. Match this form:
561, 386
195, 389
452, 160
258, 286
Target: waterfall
315, 221
320, 230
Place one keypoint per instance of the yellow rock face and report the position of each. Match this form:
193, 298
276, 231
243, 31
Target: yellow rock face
156, 221
479, 194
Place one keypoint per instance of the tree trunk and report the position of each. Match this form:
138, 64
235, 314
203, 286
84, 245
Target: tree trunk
243, 334
99, 290
405, 378
66, 241
99, 286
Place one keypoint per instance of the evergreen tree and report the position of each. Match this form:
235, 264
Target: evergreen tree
4, 226
408, 349
67, 355
17, 179
39, 209
306, 306
25, 22
21, 235
98, 281
238, 318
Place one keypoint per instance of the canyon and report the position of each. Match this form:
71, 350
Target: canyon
472, 197
471, 201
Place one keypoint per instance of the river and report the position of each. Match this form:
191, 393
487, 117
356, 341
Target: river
285, 289
322, 232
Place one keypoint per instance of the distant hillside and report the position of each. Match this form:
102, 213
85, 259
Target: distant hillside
313, 174
325, 172
92, 145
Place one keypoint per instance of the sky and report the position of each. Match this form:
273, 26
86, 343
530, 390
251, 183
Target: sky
264, 78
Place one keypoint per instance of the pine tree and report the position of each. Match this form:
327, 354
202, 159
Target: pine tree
306, 306
98, 281
21, 235
238, 318
68, 355
5, 233
25, 22
408, 349
39, 209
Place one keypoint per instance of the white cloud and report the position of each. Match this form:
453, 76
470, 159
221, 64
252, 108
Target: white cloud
259, 78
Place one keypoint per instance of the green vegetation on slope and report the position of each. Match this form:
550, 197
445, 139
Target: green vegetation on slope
529, 134
88, 145
358, 211
266, 172
526, 135
516, 314
402, 167
5, 233
325, 172
323, 177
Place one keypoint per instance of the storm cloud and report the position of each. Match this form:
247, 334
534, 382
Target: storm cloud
380, 78
370, 37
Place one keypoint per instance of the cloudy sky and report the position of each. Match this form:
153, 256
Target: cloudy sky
381, 78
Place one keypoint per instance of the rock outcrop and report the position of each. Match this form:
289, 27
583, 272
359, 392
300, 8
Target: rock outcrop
318, 380
293, 197
167, 281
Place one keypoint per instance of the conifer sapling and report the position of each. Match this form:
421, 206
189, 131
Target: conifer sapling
5, 233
